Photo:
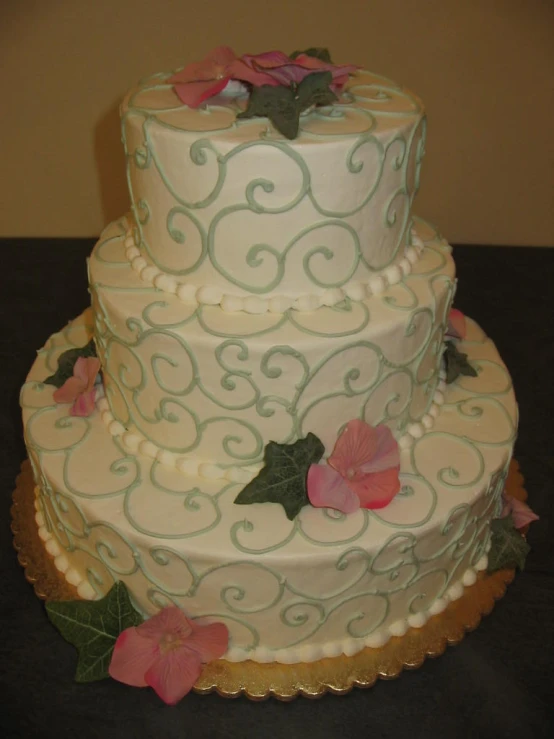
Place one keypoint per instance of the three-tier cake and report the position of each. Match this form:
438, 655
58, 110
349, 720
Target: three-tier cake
268, 289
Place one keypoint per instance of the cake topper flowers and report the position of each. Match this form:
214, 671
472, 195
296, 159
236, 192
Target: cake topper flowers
200, 81
362, 471
167, 653
80, 389
280, 87
276, 68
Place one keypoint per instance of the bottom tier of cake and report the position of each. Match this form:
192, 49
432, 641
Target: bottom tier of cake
288, 591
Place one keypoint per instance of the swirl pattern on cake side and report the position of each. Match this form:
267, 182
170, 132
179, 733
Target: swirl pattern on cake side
253, 215
190, 380
377, 572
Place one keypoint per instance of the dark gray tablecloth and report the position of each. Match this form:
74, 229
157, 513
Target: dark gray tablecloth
498, 683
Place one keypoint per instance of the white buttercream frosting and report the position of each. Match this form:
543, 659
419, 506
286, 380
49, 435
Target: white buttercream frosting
212, 295
263, 289
227, 208
289, 591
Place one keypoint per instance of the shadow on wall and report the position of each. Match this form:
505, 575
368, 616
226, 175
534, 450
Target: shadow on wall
111, 165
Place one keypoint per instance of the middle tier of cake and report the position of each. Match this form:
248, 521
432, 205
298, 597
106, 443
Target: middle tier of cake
192, 384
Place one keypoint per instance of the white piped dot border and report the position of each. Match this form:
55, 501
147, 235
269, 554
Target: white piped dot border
213, 295
191, 467
352, 646
73, 577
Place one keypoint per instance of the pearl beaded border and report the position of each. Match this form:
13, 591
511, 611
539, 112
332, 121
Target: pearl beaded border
134, 442
213, 295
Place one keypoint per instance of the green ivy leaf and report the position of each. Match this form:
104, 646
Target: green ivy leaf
276, 103
66, 362
456, 363
508, 547
283, 477
318, 52
93, 627
314, 90
283, 105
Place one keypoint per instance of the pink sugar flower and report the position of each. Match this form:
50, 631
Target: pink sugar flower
456, 328
202, 80
80, 389
520, 512
282, 70
362, 470
167, 652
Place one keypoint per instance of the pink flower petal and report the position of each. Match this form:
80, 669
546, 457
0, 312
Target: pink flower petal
209, 642
195, 93
376, 489
338, 83
222, 56
69, 391
355, 446
338, 71
210, 68
328, 489
80, 370
386, 453
267, 60
91, 370
170, 620
173, 674
289, 73
239, 70
132, 657
84, 404
456, 324
520, 511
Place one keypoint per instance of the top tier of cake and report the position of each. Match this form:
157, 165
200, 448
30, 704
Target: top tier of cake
228, 210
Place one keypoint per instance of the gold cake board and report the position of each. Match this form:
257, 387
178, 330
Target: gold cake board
260, 681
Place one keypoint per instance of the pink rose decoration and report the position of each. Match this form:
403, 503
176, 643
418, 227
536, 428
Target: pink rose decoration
167, 652
279, 69
520, 512
362, 470
456, 328
80, 389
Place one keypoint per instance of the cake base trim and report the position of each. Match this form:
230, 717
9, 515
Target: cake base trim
258, 681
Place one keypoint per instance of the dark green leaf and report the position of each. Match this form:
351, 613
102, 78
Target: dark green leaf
456, 363
66, 362
314, 90
93, 627
283, 477
319, 52
283, 105
508, 547
276, 103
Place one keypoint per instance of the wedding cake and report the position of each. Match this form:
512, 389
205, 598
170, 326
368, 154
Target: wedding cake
270, 416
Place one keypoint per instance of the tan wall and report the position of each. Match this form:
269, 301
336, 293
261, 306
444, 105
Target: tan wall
484, 68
